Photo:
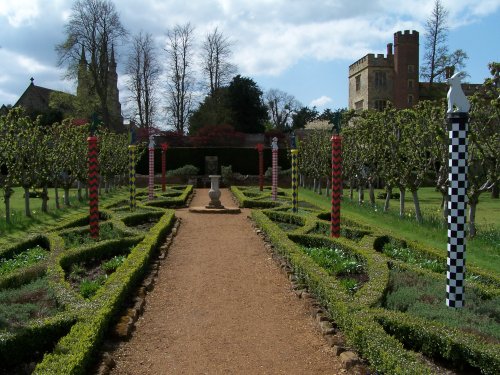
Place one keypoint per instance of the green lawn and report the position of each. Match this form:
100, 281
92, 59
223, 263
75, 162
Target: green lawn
483, 251
21, 225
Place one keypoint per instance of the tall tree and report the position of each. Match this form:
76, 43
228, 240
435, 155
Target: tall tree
437, 57
143, 69
245, 102
214, 110
281, 108
94, 27
216, 65
302, 116
180, 80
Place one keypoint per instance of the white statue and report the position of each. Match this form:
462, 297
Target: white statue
456, 96
151, 142
274, 143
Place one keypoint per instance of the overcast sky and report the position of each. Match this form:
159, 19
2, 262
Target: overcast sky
302, 47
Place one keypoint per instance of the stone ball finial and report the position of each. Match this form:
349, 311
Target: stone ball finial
456, 97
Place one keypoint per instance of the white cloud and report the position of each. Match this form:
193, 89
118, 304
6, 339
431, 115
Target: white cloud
321, 101
19, 12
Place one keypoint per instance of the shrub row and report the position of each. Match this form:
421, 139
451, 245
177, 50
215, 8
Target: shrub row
246, 202
439, 341
384, 352
77, 331
170, 202
75, 351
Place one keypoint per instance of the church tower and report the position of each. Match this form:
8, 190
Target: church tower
114, 106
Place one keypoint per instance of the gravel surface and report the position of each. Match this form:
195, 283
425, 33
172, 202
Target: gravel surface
221, 305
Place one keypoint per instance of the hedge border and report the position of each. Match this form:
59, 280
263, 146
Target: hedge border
382, 351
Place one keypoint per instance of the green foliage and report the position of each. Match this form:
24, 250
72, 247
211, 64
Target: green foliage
24, 259
111, 265
18, 306
413, 257
185, 171
336, 261
246, 103
88, 288
422, 296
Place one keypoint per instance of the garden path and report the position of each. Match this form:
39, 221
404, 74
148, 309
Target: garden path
221, 305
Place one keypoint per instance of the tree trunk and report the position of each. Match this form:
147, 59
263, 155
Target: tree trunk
445, 207
387, 198
372, 194
361, 194
106, 185
402, 202
327, 193
56, 197
495, 191
66, 196
472, 218
79, 191
351, 190
319, 186
6, 200
27, 211
45, 199
416, 202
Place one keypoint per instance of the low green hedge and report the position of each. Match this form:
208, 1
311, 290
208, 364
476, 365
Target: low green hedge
439, 341
39, 336
178, 201
246, 202
75, 352
384, 352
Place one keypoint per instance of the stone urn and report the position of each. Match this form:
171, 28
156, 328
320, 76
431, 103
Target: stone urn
214, 192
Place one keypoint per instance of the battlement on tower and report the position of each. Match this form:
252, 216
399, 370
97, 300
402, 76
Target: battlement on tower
372, 60
407, 36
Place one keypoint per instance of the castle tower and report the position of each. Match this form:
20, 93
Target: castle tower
406, 69
115, 108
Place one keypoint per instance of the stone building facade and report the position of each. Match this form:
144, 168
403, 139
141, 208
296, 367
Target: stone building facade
375, 80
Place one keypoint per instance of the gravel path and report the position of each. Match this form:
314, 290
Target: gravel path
221, 306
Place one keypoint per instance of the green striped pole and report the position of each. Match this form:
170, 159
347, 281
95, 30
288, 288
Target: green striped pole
295, 181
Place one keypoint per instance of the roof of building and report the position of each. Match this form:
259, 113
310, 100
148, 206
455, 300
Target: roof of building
35, 97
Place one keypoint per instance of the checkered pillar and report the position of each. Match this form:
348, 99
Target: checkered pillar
336, 184
457, 207
260, 149
274, 190
151, 184
295, 181
131, 175
93, 184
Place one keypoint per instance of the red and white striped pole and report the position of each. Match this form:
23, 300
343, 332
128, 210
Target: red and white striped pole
151, 184
164, 147
274, 146
260, 149
336, 184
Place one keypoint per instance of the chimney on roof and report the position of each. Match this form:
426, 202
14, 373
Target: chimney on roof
389, 49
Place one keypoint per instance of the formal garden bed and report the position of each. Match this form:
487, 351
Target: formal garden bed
60, 290
386, 294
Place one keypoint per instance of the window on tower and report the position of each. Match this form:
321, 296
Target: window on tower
358, 83
380, 104
380, 80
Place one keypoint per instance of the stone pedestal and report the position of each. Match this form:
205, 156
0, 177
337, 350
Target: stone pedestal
214, 192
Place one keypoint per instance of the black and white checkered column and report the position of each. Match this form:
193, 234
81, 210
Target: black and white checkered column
457, 207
